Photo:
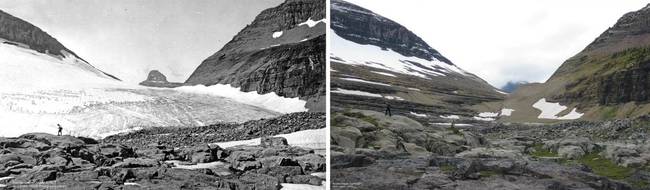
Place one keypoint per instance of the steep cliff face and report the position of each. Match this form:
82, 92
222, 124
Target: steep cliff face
360, 25
608, 79
613, 69
157, 79
281, 51
376, 61
16, 31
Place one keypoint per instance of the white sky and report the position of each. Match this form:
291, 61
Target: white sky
127, 38
506, 40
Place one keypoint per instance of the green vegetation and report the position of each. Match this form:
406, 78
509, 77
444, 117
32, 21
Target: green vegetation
446, 168
488, 173
539, 151
605, 167
455, 130
608, 112
366, 118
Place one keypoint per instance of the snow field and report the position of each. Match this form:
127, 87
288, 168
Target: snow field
550, 110
373, 56
312, 139
270, 101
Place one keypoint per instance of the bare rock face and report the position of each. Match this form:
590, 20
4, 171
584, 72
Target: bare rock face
613, 69
19, 31
280, 51
368, 27
157, 79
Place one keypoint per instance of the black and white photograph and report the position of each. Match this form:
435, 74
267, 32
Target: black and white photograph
163, 94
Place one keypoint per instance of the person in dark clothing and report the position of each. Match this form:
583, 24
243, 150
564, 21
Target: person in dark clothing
387, 112
60, 130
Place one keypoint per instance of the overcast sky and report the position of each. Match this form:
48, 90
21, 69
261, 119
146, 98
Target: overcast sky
127, 38
506, 40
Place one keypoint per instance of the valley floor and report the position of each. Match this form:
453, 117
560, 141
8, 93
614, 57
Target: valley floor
373, 151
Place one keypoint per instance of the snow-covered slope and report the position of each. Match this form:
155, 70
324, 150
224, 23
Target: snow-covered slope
377, 61
24, 69
348, 52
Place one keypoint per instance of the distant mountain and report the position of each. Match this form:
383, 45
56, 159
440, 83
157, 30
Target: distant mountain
281, 51
376, 60
610, 78
511, 86
157, 79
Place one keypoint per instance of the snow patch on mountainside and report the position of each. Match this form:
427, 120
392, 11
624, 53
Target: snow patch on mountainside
488, 114
348, 52
382, 73
270, 101
418, 114
550, 110
506, 112
355, 92
311, 23
364, 81
450, 116
394, 98
277, 34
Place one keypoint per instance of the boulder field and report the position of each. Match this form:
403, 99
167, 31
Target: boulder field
370, 150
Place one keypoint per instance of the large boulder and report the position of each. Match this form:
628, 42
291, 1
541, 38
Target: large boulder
64, 141
23, 143
243, 161
586, 144
137, 163
312, 163
274, 142
571, 152
116, 150
202, 153
482, 152
341, 160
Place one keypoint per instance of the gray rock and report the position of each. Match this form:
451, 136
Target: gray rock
274, 142
571, 152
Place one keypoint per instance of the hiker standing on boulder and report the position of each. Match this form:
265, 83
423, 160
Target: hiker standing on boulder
60, 130
387, 112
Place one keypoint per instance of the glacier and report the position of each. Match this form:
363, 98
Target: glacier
40, 91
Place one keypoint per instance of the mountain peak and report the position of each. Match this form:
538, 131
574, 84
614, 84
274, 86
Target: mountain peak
373, 29
15, 31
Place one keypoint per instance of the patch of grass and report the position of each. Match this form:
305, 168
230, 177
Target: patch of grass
366, 118
608, 112
605, 167
455, 130
539, 151
488, 173
447, 168
334, 122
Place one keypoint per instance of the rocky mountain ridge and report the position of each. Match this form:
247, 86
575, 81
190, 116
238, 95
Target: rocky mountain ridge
281, 51
608, 79
15, 31
21, 33
376, 61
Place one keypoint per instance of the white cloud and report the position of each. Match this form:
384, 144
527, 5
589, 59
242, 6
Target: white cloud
490, 38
